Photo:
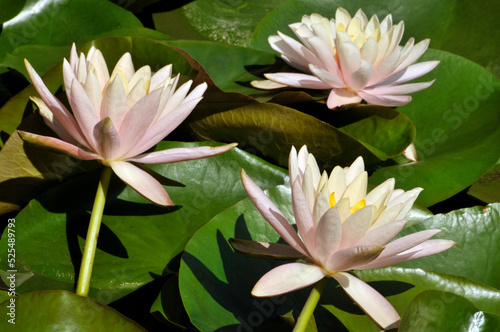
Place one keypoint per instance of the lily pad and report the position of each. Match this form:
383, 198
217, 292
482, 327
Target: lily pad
458, 226
429, 311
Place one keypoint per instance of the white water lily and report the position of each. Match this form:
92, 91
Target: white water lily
341, 228
358, 59
116, 118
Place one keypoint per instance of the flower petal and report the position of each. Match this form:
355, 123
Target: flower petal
272, 214
328, 234
114, 103
160, 76
56, 107
141, 182
303, 217
287, 278
398, 89
137, 121
371, 301
351, 258
355, 226
296, 80
389, 101
267, 85
339, 97
58, 145
265, 249
107, 138
181, 154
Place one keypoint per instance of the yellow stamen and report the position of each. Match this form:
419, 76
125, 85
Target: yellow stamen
358, 206
332, 200
341, 27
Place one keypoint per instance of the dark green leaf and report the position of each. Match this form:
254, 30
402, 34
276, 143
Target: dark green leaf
48, 311
60, 23
272, 129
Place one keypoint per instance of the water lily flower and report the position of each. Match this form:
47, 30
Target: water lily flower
116, 118
340, 228
355, 57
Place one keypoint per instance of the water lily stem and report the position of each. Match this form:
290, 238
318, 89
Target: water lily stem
309, 306
89, 250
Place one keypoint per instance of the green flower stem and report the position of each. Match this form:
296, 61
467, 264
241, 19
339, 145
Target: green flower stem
309, 306
82, 288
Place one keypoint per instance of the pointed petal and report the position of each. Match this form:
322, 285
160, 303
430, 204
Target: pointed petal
84, 111
296, 80
268, 250
143, 74
427, 248
356, 190
381, 235
339, 97
267, 85
56, 107
107, 138
371, 301
98, 63
356, 226
410, 73
349, 57
181, 154
141, 182
351, 258
398, 89
381, 190
328, 234
160, 76
58, 145
293, 165
287, 278
356, 168
303, 217
359, 79
332, 80
114, 104
137, 121
272, 214
389, 101
51, 121
126, 65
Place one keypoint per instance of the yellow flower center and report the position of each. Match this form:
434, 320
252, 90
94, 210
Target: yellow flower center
358, 206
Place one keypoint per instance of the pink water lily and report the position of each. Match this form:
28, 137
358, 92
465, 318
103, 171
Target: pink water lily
355, 58
116, 118
340, 228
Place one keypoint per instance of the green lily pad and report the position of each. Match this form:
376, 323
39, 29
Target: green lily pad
61, 311
428, 311
43, 26
463, 259
138, 240
458, 130
225, 21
